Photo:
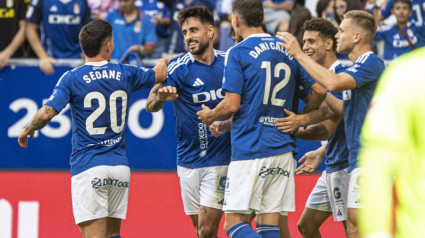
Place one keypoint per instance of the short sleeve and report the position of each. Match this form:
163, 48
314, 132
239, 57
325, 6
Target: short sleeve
144, 77
35, 12
233, 80
365, 72
61, 93
149, 33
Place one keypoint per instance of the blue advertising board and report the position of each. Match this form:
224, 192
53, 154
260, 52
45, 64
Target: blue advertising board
23, 89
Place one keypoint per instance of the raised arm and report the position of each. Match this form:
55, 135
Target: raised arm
40, 119
333, 82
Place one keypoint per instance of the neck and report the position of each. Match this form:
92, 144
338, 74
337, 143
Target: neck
359, 50
207, 57
130, 12
247, 31
97, 58
401, 24
329, 60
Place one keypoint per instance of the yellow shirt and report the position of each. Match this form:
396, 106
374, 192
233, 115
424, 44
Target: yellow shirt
393, 148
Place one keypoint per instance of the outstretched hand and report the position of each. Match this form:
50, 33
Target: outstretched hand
290, 123
290, 43
312, 160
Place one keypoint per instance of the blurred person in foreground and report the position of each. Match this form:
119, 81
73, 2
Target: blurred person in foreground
393, 153
98, 93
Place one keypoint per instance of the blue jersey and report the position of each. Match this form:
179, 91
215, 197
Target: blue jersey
154, 8
99, 94
176, 42
394, 42
138, 32
418, 8
366, 70
61, 25
266, 77
336, 149
197, 84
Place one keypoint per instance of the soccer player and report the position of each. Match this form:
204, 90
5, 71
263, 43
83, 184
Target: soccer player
329, 196
402, 37
260, 79
194, 79
393, 153
59, 22
98, 92
358, 82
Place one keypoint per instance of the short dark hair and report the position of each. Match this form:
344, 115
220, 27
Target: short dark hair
363, 19
408, 2
201, 13
251, 11
93, 35
325, 28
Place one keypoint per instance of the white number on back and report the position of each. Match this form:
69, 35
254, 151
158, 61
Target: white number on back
280, 66
102, 106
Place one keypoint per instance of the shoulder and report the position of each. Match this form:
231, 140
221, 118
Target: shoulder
179, 63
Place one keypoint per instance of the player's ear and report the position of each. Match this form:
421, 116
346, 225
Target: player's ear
329, 44
357, 37
211, 31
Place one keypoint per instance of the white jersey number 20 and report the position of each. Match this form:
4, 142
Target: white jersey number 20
102, 106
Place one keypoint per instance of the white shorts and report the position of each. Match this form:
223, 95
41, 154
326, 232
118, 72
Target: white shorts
330, 194
100, 192
354, 189
264, 185
202, 187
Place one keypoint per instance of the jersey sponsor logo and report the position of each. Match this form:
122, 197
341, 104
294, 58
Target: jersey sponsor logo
208, 96
264, 172
64, 19
269, 121
198, 82
337, 193
97, 183
7, 13
203, 153
203, 136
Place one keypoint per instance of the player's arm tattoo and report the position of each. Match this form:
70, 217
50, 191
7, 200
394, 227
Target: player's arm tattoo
154, 104
41, 118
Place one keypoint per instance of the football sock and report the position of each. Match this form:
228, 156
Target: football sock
268, 231
242, 230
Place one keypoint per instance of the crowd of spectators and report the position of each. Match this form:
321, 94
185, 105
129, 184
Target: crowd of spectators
149, 28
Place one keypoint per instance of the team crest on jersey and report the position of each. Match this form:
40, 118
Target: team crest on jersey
77, 9
138, 27
9, 3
